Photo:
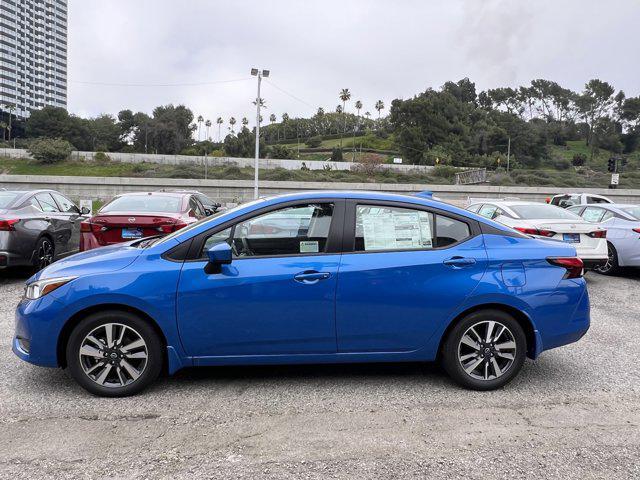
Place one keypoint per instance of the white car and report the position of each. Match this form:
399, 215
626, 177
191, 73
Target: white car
622, 223
568, 199
548, 221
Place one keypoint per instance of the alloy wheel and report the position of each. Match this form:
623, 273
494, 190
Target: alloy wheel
487, 350
44, 255
113, 355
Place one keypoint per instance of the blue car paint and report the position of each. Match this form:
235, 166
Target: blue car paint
329, 321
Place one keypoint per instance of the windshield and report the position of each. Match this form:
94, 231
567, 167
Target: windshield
633, 210
144, 203
203, 220
534, 211
6, 198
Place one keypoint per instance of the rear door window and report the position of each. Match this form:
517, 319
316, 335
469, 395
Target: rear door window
488, 211
392, 228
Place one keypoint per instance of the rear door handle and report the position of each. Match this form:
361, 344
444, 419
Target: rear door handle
459, 262
311, 277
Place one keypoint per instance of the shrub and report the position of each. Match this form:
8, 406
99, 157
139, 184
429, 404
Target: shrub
279, 151
50, 150
101, 157
313, 142
579, 160
369, 164
562, 164
336, 155
444, 171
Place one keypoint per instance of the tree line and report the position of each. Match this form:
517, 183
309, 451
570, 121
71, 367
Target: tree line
453, 124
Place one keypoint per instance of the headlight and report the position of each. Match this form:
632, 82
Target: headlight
40, 288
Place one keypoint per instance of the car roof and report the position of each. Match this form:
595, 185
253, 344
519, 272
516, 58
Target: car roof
161, 194
510, 203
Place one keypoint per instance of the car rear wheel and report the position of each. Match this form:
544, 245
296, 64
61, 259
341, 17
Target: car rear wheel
611, 267
114, 354
485, 350
44, 253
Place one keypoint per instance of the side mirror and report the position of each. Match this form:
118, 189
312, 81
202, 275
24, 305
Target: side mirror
85, 211
218, 255
208, 212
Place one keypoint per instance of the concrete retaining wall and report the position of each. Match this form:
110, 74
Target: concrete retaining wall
268, 163
234, 191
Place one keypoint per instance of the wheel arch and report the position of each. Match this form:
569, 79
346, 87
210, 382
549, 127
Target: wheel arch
77, 317
521, 317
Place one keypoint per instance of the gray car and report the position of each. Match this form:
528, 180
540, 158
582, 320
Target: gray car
37, 227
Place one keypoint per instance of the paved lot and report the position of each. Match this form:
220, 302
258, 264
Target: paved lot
575, 413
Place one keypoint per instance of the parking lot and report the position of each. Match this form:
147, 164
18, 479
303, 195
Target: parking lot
573, 413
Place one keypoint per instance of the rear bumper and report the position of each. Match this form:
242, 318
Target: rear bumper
10, 259
591, 264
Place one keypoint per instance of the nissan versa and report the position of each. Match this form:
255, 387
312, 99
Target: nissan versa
322, 277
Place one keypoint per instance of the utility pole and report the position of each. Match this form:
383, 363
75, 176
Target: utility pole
257, 73
508, 153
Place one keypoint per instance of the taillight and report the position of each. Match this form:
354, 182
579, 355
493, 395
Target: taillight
8, 225
598, 234
88, 227
637, 230
535, 231
573, 265
179, 225
85, 227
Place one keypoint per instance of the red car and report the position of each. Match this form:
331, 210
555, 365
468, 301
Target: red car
137, 215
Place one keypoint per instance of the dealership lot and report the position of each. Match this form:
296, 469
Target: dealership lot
575, 411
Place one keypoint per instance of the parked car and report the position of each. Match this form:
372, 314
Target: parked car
37, 227
137, 215
568, 199
210, 206
371, 277
622, 223
548, 221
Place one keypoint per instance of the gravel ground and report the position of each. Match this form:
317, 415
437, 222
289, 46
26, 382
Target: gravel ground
574, 413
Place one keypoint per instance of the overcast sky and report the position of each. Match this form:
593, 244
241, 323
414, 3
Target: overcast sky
378, 49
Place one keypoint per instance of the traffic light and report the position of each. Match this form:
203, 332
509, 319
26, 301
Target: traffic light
611, 167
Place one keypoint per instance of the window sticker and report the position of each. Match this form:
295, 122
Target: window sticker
396, 230
309, 246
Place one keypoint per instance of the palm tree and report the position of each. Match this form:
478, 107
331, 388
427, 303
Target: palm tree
232, 122
200, 120
379, 107
320, 111
358, 106
245, 121
3, 127
285, 120
367, 114
219, 121
345, 95
339, 109
208, 125
272, 118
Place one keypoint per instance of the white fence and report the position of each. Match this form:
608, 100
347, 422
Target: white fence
268, 163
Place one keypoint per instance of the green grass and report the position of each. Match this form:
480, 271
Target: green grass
369, 140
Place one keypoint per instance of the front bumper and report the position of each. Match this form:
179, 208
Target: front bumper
36, 332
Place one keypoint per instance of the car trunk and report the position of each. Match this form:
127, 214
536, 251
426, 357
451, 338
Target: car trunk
115, 228
570, 231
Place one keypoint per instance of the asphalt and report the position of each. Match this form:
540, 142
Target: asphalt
573, 413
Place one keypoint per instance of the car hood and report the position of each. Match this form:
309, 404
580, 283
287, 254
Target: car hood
100, 260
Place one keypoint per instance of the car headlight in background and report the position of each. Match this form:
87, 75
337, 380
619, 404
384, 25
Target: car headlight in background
40, 288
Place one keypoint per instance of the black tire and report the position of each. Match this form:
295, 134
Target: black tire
136, 328
44, 253
611, 267
453, 348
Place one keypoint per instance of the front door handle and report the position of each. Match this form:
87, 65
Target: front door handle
459, 262
311, 277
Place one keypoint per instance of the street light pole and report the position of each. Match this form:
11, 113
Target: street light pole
508, 154
257, 73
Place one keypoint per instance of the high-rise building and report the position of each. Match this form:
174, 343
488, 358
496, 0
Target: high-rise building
33, 54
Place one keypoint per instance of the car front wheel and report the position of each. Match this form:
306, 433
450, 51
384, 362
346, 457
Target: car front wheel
114, 354
485, 350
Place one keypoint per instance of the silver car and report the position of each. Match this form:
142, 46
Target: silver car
622, 223
37, 227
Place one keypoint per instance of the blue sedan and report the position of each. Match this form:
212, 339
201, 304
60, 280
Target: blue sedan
324, 277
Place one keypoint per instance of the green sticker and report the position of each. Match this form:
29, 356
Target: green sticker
309, 247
